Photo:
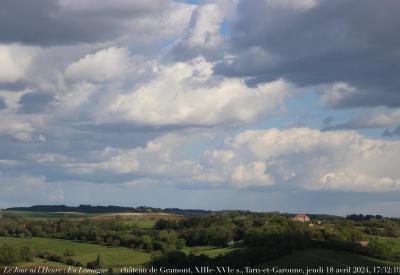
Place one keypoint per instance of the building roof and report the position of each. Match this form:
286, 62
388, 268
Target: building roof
301, 216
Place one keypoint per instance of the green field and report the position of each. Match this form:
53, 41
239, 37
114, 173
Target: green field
141, 223
210, 251
133, 221
42, 262
325, 257
83, 252
393, 243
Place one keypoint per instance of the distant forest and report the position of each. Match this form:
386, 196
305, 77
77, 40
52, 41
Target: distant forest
83, 208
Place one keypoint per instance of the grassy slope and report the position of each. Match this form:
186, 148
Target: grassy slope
141, 223
84, 252
41, 262
143, 220
210, 251
325, 257
393, 243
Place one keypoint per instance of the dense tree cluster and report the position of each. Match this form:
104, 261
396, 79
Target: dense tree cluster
361, 217
9, 255
258, 237
86, 208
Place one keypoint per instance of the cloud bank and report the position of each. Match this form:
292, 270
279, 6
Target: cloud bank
213, 99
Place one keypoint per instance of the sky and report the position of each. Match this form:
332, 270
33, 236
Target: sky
263, 105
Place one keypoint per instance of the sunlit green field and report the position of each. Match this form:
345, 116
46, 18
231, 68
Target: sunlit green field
83, 252
141, 223
393, 243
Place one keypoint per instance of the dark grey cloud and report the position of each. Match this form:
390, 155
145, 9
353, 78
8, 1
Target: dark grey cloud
54, 22
13, 86
3, 104
328, 120
354, 41
393, 133
35, 102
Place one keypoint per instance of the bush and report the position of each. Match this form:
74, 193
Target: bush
8, 255
26, 254
98, 263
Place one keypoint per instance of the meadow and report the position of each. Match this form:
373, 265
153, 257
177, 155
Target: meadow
210, 251
138, 220
326, 257
393, 243
83, 252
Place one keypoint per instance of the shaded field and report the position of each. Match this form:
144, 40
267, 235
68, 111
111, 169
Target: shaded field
41, 262
49, 215
323, 257
141, 220
208, 250
83, 252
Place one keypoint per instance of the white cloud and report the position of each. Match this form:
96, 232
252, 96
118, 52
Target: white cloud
105, 65
297, 159
334, 94
353, 181
20, 128
380, 119
315, 160
15, 61
251, 174
12, 98
371, 120
188, 94
159, 157
202, 36
205, 30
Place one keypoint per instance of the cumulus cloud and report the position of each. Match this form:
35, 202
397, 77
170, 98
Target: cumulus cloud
314, 43
186, 93
105, 65
297, 159
251, 174
15, 61
159, 157
202, 36
370, 120
136, 94
340, 161
160, 162
343, 181
20, 128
